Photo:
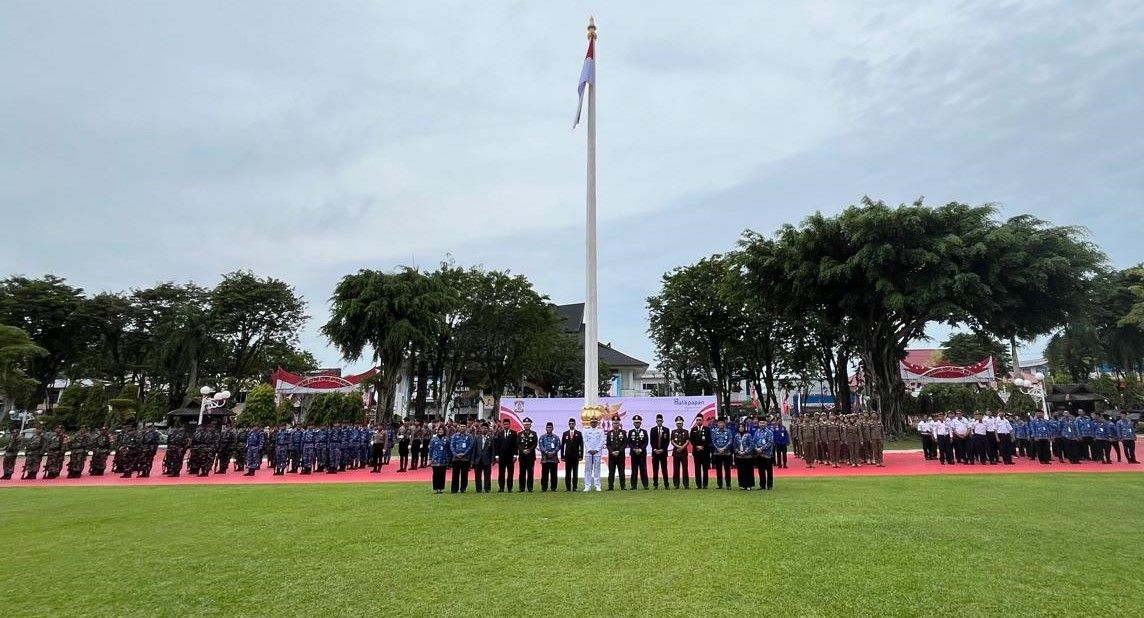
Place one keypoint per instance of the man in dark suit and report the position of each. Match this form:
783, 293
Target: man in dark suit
483, 456
660, 442
571, 451
505, 444
700, 447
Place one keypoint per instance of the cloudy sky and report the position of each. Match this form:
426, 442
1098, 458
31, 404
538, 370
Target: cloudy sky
143, 142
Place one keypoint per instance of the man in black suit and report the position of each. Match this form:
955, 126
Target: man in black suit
505, 444
571, 451
483, 456
700, 445
660, 442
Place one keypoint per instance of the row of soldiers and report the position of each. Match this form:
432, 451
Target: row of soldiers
838, 439
333, 448
134, 452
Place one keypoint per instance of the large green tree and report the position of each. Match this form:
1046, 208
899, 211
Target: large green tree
16, 352
385, 315
49, 311
250, 314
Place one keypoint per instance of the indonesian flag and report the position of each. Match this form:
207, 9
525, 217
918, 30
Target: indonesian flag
587, 76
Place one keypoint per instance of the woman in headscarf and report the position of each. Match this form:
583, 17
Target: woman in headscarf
439, 458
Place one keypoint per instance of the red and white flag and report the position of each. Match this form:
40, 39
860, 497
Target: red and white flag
587, 76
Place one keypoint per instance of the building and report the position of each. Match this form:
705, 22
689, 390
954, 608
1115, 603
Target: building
628, 372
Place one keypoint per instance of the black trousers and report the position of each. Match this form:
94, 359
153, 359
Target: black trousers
780, 456
639, 469
991, 446
746, 473
978, 448
505, 468
548, 475
960, 449
766, 472
1058, 448
460, 476
929, 449
1115, 445
616, 466
416, 450
527, 471
722, 465
571, 474
402, 454
658, 464
1103, 451
375, 456
945, 449
483, 476
679, 462
1090, 449
699, 460
439, 478
1043, 453
1005, 447
1129, 450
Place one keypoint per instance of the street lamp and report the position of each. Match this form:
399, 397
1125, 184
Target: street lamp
1034, 388
210, 403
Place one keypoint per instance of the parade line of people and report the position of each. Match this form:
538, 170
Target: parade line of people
988, 439
749, 445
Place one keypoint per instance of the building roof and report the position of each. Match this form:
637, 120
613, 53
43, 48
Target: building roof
616, 358
573, 317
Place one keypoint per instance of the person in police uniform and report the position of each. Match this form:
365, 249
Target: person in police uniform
660, 441
700, 441
549, 444
617, 440
679, 440
527, 443
571, 451
637, 442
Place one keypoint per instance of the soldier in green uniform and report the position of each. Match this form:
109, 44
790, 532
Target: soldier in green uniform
877, 435
808, 432
680, 438
78, 455
100, 449
127, 450
33, 455
852, 434
54, 447
617, 441
833, 432
11, 450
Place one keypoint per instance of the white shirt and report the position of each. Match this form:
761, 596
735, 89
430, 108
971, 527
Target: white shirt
1004, 426
940, 428
593, 439
959, 427
924, 427
990, 423
979, 428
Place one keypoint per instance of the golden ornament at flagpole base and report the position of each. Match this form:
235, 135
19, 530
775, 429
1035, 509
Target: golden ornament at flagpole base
592, 413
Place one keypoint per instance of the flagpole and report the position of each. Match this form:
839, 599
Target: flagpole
591, 326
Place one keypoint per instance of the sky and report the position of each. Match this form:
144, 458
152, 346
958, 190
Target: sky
176, 141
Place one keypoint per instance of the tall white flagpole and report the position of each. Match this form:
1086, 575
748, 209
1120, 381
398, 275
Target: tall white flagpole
591, 333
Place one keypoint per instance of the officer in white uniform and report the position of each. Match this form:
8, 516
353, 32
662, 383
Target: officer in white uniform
593, 449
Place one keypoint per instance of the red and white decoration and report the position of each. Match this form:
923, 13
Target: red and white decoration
948, 374
287, 384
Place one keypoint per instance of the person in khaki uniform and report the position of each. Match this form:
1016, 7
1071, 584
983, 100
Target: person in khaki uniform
808, 438
877, 438
832, 430
795, 435
852, 434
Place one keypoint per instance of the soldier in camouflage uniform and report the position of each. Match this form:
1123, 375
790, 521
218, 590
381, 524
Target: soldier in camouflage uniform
33, 455
54, 446
11, 450
240, 449
100, 449
78, 455
127, 451
309, 448
281, 452
226, 442
148, 447
255, 439
296, 449
177, 442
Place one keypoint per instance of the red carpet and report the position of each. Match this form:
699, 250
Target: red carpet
898, 463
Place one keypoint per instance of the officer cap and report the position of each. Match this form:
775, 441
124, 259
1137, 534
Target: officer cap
527, 420
615, 417
637, 418
679, 419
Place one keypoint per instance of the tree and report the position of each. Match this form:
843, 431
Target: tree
969, 348
48, 310
16, 350
387, 314
123, 406
693, 310
509, 323
248, 314
1074, 352
259, 409
885, 273
177, 320
71, 408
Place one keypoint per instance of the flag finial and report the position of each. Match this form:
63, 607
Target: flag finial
591, 28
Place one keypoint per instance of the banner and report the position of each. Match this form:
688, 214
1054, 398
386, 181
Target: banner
559, 409
948, 374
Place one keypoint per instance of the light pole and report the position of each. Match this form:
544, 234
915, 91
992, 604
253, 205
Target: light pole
210, 403
1034, 388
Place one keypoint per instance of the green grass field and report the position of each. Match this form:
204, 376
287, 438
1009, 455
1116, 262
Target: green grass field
1033, 545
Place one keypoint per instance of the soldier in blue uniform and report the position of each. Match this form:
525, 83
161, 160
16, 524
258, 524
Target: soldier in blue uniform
309, 448
721, 455
296, 436
549, 444
439, 459
282, 451
461, 449
764, 441
255, 441
334, 457
1126, 432
1039, 430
